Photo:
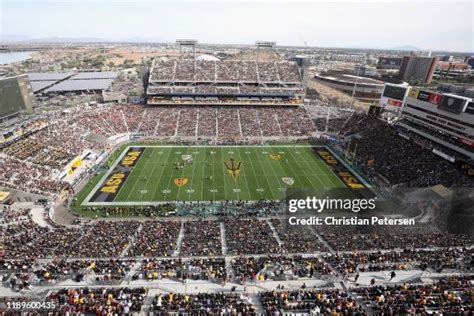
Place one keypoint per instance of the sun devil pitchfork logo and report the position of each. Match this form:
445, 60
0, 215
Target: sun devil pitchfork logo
181, 181
233, 167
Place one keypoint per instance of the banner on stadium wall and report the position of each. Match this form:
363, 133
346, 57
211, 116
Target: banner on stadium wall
413, 93
467, 142
452, 104
392, 102
470, 108
435, 98
423, 96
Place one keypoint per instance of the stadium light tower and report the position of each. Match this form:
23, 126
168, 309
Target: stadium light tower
355, 84
263, 44
187, 43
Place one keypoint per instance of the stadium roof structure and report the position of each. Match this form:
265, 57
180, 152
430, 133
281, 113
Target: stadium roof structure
80, 85
95, 75
350, 78
71, 81
207, 58
40, 85
49, 76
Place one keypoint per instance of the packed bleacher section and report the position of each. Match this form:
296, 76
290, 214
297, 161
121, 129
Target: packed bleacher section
108, 256
188, 70
295, 239
9, 215
107, 271
224, 82
313, 301
277, 267
201, 304
374, 238
156, 239
200, 242
386, 157
448, 296
105, 239
242, 236
435, 133
438, 260
99, 301
207, 269
248, 236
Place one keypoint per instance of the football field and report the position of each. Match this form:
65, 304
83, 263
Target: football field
145, 175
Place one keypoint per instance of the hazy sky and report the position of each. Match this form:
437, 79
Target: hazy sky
437, 25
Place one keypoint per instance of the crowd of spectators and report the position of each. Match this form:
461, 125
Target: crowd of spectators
343, 238
297, 239
202, 304
208, 269
445, 137
310, 301
262, 268
381, 151
156, 239
8, 215
437, 260
250, 236
448, 296
99, 301
186, 70
105, 239
24, 176
201, 238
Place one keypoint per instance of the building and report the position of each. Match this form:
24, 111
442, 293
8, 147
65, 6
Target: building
364, 70
446, 120
71, 82
16, 97
445, 65
364, 89
417, 70
354, 58
452, 70
470, 61
389, 62
464, 90
447, 58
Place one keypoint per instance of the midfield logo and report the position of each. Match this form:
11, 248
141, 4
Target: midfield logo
233, 167
275, 156
181, 181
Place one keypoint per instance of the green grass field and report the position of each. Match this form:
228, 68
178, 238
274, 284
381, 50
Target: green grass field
145, 175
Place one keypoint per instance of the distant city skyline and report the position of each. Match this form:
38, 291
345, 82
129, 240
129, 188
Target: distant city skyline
441, 26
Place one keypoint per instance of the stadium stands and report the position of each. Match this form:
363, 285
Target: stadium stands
224, 82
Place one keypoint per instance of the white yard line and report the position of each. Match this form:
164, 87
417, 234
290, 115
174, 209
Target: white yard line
243, 174
162, 173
